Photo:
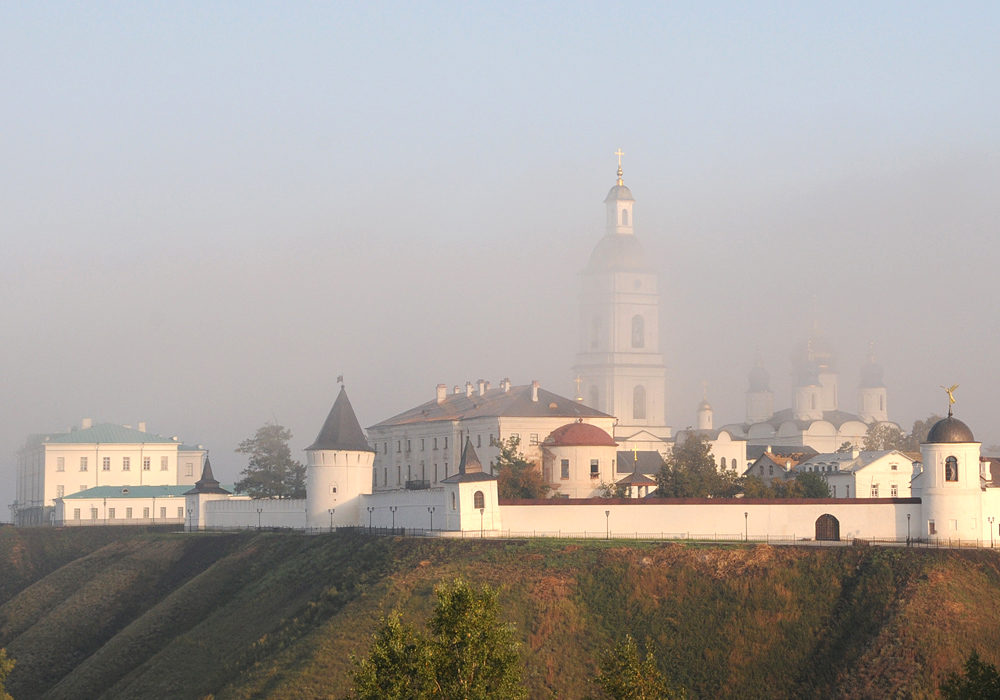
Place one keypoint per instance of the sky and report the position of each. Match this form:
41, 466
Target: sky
208, 211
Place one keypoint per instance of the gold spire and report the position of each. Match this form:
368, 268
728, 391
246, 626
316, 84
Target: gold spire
620, 153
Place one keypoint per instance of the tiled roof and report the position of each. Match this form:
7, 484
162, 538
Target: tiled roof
494, 403
798, 453
106, 433
649, 461
130, 492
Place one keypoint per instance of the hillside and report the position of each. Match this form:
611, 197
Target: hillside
118, 613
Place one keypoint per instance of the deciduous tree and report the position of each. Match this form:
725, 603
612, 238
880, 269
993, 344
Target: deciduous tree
271, 471
6, 666
623, 675
690, 472
516, 476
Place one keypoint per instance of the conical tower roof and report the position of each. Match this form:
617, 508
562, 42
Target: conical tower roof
470, 468
207, 483
341, 431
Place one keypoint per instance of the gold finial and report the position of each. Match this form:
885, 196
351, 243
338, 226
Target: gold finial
619, 153
951, 395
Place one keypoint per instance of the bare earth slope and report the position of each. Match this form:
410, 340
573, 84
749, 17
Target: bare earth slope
129, 614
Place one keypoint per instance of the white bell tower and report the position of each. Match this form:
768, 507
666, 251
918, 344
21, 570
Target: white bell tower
619, 364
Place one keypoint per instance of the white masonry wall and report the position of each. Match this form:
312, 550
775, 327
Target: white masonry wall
868, 518
411, 509
242, 513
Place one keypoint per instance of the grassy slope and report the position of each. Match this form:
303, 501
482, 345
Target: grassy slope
277, 616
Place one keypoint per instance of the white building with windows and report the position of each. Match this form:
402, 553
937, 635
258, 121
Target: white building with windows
57, 465
863, 474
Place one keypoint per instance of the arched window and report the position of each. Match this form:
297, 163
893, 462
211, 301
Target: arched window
951, 469
638, 332
812, 402
595, 333
593, 397
639, 402
624, 217
478, 500
723, 462
454, 505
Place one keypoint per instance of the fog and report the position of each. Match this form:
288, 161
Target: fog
207, 214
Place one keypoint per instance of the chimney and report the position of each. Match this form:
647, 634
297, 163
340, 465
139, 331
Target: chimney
468, 389
481, 385
855, 452
534, 391
442, 392
505, 385
488, 386
86, 423
458, 389
142, 426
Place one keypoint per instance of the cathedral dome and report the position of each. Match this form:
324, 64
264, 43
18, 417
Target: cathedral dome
760, 380
705, 406
871, 376
950, 429
619, 193
579, 434
618, 252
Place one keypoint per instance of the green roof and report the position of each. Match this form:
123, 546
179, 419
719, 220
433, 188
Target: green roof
189, 448
106, 433
134, 492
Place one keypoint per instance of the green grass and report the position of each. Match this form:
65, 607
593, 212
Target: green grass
114, 615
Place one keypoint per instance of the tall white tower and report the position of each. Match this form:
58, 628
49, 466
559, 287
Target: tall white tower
760, 399
873, 404
338, 468
619, 363
950, 491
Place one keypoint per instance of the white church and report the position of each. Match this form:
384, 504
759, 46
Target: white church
429, 467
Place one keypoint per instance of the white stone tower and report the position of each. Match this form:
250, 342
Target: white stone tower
704, 415
338, 468
950, 490
205, 489
873, 404
619, 363
760, 399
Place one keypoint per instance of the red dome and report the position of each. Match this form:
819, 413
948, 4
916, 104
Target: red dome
580, 434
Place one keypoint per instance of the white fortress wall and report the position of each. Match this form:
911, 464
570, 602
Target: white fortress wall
861, 518
242, 512
411, 509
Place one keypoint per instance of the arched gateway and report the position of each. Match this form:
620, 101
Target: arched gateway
827, 528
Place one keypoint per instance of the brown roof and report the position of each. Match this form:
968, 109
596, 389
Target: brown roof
579, 434
494, 403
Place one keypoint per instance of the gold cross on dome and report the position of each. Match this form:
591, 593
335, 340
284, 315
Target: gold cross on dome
619, 153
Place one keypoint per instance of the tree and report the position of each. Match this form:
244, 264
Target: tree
399, 665
846, 447
885, 436
690, 472
980, 681
622, 675
6, 666
802, 485
813, 485
516, 476
614, 490
271, 471
470, 655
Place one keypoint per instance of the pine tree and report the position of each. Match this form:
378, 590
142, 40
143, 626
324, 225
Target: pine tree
271, 471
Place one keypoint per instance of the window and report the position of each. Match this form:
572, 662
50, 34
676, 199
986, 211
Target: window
533, 439
478, 500
454, 505
189, 469
770, 469
834, 489
446, 443
445, 470
595, 468
894, 491
180, 512
639, 402
60, 491
106, 464
847, 492
399, 446
147, 464
60, 464
145, 513
564, 469
952, 524
163, 513
409, 472
435, 473
931, 529
164, 463
479, 441
76, 514
874, 490
761, 467
893, 467
624, 217
408, 446
638, 332
333, 488
435, 443
111, 513
83, 464
126, 464
128, 513
951, 469
421, 444
399, 475
93, 513
385, 476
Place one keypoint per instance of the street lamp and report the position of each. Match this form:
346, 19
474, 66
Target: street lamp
190, 511
105, 511
259, 511
907, 529
371, 509
430, 509
481, 511
393, 509
607, 519
991, 531
331, 518
746, 526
